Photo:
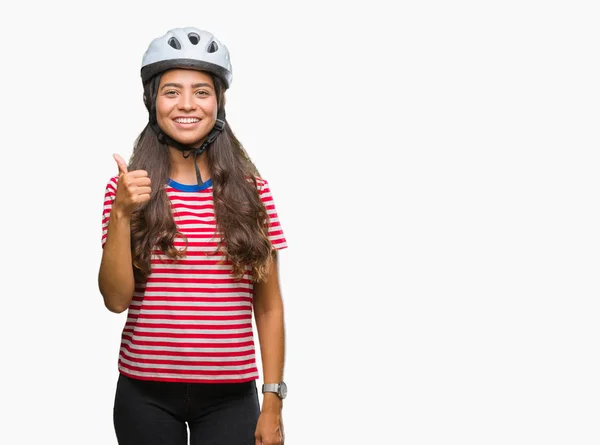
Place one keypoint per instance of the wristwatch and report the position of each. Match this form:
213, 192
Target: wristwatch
278, 388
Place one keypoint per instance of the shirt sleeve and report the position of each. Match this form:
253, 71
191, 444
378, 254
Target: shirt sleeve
109, 197
276, 235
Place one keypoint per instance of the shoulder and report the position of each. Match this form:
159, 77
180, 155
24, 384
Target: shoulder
111, 184
261, 184
113, 180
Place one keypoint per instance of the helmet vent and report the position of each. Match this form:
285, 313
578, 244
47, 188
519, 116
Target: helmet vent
174, 43
194, 38
213, 47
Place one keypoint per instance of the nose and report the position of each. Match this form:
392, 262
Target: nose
187, 102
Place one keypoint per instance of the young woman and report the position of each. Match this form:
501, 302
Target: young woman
190, 240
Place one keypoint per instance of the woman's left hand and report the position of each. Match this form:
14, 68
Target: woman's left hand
269, 428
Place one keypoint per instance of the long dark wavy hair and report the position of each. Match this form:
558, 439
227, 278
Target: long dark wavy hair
241, 216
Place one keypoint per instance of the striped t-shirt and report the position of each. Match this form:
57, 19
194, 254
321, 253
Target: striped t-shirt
192, 322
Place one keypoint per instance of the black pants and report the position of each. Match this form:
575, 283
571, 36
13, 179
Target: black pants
156, 413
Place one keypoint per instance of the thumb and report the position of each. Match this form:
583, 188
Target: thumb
121, 163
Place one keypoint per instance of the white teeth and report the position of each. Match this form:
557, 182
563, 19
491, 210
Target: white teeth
187, 120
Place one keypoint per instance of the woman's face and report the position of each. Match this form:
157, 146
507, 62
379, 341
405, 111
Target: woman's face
186, 105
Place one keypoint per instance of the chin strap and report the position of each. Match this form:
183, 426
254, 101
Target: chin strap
214, 133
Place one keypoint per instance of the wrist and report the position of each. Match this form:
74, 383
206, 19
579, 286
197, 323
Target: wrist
280, 389
120, 214
271, 402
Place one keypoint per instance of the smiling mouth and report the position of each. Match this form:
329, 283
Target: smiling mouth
187, 120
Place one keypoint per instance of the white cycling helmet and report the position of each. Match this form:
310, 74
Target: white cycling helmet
190, 48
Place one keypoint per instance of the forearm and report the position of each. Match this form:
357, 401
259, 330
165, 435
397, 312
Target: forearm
115, 279
271, 334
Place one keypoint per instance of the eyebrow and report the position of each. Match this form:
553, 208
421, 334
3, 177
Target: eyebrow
178, 85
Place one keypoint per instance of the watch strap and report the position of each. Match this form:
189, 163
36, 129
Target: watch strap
270, 387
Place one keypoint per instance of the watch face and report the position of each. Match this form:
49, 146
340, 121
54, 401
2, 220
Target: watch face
282, 390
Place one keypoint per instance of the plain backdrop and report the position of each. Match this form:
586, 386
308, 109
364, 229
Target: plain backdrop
435, 169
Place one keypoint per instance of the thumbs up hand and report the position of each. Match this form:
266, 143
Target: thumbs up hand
133, 188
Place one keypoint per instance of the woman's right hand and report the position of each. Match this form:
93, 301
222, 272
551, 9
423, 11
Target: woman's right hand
133, 188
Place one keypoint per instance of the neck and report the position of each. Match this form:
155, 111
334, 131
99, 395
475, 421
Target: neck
182, 169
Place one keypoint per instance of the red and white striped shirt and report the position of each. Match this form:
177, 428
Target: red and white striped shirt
192, 322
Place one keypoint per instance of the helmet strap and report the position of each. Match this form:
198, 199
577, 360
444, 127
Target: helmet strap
212, 136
